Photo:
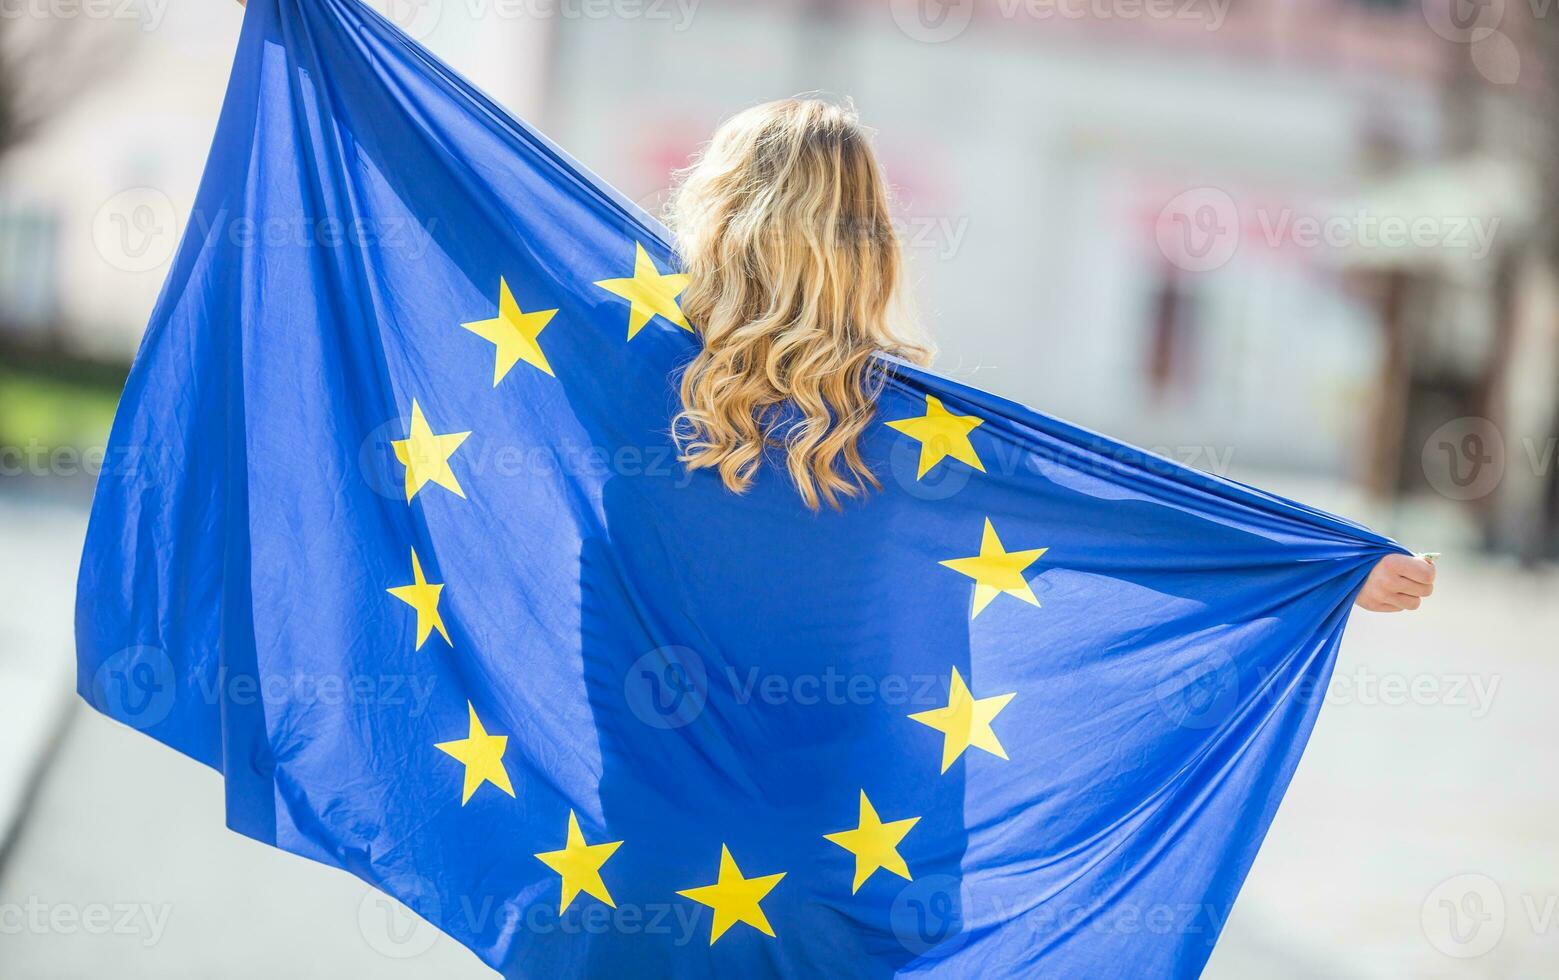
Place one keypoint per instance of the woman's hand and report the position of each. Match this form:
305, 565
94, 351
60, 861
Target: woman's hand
1397, 582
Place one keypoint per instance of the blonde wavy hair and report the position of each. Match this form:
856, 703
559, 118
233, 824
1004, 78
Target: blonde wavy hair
784, 229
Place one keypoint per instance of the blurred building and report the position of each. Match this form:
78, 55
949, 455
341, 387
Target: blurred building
1038, 154
93, 206
1165, 219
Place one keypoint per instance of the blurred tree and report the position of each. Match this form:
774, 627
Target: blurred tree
50, 55
48, 59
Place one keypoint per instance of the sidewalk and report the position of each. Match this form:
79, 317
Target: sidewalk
40, 544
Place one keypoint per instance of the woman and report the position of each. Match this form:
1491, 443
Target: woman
793, 265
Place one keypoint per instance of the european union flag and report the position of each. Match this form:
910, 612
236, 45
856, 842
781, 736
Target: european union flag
394, 537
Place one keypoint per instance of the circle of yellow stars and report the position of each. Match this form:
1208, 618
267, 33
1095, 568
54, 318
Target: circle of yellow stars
965, 722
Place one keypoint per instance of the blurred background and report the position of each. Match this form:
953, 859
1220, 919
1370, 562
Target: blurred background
1308, 244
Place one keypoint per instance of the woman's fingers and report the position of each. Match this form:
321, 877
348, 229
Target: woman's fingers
1408, 587
1410, 577
1397, 583
1407, 567
1373, 600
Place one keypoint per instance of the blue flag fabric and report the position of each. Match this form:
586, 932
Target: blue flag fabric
393, 536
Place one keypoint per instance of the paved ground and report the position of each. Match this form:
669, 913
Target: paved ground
38, 550
1421, 828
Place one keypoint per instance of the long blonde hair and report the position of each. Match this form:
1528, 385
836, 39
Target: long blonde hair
784, 229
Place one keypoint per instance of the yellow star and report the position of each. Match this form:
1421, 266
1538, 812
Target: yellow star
425, 455
580, 865
482, 755
965, 721
649, 294
514, 333
874, 844
941, 434
734, 898
996, 570
422, 596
